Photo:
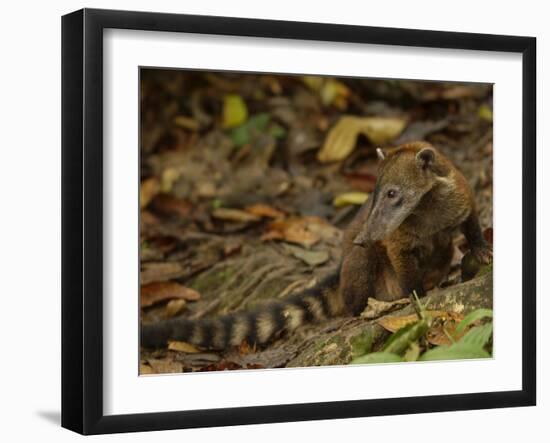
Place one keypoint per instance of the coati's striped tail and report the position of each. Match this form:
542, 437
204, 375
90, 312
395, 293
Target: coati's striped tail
256, 327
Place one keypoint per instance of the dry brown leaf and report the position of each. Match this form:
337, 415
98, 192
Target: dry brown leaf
296, 230
376, 308
395, 323
441, 321
148, 189
160, 271
312, 258
263, 210
182, 346
235, 215
458, 92
145, 369
159, 291
164, 366
342, 138
443, 325
169, 205
186, 122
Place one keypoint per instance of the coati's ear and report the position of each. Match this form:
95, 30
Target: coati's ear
380, 154
425, 158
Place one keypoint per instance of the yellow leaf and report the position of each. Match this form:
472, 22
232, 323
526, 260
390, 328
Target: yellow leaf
313, 82
145, 369
148, 189
168, 178
235, 111
333, 91
174, 307
342, 138
350, 198
182, 346
485, 113
381, 130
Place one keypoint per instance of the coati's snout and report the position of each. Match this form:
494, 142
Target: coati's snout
391, 206
405, 176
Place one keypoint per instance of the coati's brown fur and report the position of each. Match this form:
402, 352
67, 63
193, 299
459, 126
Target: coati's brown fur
399, 242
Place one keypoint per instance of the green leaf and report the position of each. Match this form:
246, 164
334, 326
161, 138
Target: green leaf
456, 351
402, 339
240, 136
243, 134
478, 336
412, 353
277, 131
377, 357
472, 317
362, 344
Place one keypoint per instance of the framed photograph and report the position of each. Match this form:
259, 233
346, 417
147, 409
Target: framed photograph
269, 221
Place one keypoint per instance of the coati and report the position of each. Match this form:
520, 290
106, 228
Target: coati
399, 242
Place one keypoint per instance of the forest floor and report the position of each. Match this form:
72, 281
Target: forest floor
247, 182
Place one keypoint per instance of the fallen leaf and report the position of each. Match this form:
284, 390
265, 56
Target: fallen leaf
167, 204
244, 348
263, 210
256, 124
381, 130
376, 308
186, 122
174, 307
234, 215
334, 92
160, 271
459, 91
342, 138
330, 90
164, 366
235, 111
442, 323
444, 326
395, 323
156, 292
224, 365
485, 113
148, 189
182, 346
145, 369
168, 178
350, 198
312, 258
297, 230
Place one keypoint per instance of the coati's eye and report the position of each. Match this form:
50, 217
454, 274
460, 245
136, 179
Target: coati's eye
392, 193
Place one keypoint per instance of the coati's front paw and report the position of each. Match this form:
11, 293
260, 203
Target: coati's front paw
483, 254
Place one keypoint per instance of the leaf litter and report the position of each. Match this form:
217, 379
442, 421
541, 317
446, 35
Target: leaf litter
252, 178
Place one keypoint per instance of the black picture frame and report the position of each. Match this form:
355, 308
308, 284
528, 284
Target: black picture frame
82, 220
